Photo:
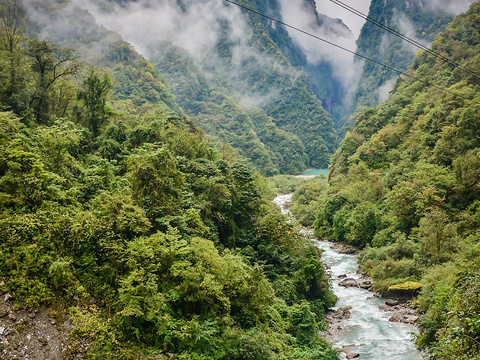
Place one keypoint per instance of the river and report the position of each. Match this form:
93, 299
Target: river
368, 331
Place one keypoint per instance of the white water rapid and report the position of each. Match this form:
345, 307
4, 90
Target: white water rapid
368, 331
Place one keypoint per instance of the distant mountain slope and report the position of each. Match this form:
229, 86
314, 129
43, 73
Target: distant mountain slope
220, 114
253, 132
405, 188
417, 19
247, 58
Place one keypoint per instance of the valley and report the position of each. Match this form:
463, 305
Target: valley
142, 144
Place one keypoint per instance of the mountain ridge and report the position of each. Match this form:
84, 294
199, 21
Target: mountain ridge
254, 67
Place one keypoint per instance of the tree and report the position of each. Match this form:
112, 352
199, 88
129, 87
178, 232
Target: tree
94, 94
467, 174
157, 183
49, 63
12, 36
437, 236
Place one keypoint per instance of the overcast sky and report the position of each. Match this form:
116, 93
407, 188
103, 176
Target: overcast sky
354, 22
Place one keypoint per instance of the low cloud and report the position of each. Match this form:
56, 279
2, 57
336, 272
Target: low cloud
298, 14
195, 28
405, 27
335, 11
63, 21
453, 7
384, 90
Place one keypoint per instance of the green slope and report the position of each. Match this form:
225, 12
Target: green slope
253, 132
415, 19
262, 71
115, 210
404, 188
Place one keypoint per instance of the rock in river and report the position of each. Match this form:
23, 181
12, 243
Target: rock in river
406, 316
365, 284
391, 302
348, 282
353, 356
343, 313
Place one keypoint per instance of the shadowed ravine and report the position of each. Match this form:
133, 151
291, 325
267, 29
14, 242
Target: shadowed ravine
368, 330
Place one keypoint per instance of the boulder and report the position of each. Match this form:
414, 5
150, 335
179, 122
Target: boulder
365, 284
391, 302
396, 317
347, 249
353, 356
348, 282
343, 313
406, 316
411, 319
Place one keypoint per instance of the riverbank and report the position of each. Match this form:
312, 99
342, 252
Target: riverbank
402, 308
362, 324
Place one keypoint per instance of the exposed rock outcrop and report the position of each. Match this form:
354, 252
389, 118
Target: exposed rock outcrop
353, 356
42, 334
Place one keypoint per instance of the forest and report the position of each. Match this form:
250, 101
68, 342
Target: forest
117, 211
134, 202
404, 188
389, 49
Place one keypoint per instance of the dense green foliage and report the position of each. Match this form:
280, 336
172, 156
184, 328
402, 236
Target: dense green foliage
417, 19
115, 206
286, 129
285, 184
258, 103
404, 188
306, 200
253, 132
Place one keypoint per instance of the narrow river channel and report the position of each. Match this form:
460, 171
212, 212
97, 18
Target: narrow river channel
368, 331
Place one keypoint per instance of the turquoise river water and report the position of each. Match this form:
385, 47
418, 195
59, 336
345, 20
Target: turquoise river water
315, 172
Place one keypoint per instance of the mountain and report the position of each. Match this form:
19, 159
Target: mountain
243, 69
420, 20
404, 188
124, 233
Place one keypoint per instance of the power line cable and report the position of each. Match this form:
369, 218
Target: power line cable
348, 50
404, 37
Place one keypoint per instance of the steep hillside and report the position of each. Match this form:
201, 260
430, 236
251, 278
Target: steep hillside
120, 223
420, 20
276, 150
404, 188
235, 64
253, 132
